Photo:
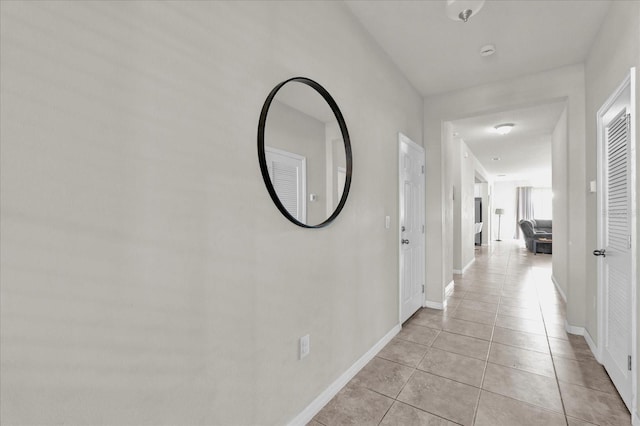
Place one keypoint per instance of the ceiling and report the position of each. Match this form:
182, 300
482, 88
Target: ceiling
438, 55
525, 153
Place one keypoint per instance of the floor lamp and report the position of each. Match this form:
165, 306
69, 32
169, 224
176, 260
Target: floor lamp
499, 212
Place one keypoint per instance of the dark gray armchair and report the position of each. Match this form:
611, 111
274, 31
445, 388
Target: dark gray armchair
534, 230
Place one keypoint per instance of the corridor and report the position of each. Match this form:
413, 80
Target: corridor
497, 355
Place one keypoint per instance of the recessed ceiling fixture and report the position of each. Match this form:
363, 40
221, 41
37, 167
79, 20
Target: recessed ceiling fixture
461, 10
487, 50
503, 129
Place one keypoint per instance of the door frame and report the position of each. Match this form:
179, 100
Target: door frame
402, 138
628, 83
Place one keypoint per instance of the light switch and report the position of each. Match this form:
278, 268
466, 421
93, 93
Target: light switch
592, 186
387, 222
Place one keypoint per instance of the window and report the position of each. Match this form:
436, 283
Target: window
542, 203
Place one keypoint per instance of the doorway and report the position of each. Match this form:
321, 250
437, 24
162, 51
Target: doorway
617, 282
411, 178
478, 221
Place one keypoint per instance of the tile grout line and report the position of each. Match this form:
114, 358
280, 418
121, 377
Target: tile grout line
446, 331
553, 363
486, 363
538, 407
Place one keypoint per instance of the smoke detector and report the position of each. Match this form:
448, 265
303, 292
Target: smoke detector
487, 50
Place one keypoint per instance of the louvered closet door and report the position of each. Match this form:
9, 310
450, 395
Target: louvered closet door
288, 176
617, 263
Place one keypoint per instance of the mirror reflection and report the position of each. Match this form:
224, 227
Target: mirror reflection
305, 153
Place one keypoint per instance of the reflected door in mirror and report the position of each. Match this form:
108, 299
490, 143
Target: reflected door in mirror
289, 178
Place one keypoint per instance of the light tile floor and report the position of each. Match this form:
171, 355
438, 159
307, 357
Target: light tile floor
497, 355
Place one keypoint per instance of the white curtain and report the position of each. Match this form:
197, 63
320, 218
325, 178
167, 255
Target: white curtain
524, 207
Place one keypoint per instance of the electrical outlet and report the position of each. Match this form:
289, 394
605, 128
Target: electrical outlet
304, 346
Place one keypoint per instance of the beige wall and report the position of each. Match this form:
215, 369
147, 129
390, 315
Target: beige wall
554, 85
146, 277
615, 50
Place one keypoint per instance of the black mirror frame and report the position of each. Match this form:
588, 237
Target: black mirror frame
345, 137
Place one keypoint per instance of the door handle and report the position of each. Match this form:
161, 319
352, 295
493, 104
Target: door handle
599, 253
405, 241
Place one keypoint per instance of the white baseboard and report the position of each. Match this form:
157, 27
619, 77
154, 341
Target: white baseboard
317, 404
435, 305
581, 331
449, 287
564, 296
463, 270
572, 329
592, 345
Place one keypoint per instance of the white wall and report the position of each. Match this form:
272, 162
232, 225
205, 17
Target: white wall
440, 226
562, 83
463, 179
459, 201
464, 169
559, 165
615, 50
146, 277
467, 217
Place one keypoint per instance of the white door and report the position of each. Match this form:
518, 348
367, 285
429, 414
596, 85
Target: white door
412, 218
615, 240
289, 178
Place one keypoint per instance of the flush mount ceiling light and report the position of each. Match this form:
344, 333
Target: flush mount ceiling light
503, 129
462, 10
495, 159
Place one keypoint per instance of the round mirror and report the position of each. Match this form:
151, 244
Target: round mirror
304, 152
